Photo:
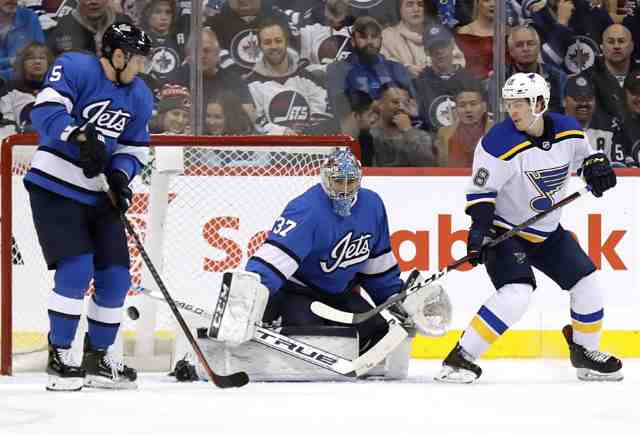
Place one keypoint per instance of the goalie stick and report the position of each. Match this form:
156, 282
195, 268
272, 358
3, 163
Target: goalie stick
330, 313
306, 352
222, 381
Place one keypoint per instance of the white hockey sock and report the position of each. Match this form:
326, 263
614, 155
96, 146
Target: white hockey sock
498, 314
587, 311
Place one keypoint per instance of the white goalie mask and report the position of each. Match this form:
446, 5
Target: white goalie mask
529, 86
341, 175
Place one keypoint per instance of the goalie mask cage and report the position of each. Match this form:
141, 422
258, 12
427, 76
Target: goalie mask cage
202, 205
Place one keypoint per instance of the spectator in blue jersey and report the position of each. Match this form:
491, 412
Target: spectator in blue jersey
18, 27
92, 119
366, 69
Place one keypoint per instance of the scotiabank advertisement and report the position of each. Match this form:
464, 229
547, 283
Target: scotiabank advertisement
429, 230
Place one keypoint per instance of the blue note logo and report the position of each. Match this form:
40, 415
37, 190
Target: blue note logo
348, 252
547, 182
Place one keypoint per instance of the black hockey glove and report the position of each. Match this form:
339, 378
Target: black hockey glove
119, 186
475, 241
185, 371
597, 173
93, 151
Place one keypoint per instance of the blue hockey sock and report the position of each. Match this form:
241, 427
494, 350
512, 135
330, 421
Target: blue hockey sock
105, 307
65, 303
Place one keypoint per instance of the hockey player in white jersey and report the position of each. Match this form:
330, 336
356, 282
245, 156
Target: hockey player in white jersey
327, 242
520, 168
92, 117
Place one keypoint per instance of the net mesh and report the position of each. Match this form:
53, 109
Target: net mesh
199, 210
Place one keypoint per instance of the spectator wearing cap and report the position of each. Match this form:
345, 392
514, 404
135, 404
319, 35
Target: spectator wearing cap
365, 69
603, 131
631, 123
173, 108
438, 83
457, 143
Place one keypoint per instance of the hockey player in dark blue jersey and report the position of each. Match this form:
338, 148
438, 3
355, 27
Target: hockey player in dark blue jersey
92, 117
520, 168
327, 242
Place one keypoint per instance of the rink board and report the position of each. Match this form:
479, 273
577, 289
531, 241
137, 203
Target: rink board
428, 226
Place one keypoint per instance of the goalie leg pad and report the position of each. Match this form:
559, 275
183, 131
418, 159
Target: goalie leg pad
241, 304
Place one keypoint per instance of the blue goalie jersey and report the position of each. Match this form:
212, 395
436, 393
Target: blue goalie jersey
77, 92
311, 246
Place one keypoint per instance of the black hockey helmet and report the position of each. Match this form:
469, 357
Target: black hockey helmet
127, 37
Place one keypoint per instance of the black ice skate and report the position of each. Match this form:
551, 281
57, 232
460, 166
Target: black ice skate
592, 365
458, 368
102, 371
64, 373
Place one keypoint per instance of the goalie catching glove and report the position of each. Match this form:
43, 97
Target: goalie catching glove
429, 307
241, 304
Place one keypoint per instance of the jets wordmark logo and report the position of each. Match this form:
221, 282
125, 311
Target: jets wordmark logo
348, 252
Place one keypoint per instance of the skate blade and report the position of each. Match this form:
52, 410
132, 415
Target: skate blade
450, 375
92, 381
593, 376
57, 383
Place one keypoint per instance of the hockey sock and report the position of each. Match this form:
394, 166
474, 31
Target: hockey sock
71, 280
587, 311
105, 307
498, 314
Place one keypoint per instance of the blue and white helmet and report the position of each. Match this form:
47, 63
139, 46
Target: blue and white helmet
341, 174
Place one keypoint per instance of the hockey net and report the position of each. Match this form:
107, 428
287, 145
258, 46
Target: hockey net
203, 205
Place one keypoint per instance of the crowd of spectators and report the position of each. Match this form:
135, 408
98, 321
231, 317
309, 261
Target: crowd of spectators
411, 79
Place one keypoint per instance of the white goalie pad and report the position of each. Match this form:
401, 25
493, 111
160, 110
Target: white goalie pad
429, 308
241, 304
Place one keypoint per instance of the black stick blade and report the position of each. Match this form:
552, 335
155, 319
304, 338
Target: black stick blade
236, 380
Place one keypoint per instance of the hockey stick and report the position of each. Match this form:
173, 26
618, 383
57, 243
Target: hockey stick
330, 313
223, 381
306, 352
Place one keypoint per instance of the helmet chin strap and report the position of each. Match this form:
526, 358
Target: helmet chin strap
119, 71
536, 116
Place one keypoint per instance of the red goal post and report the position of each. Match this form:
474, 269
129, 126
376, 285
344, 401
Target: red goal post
202, 205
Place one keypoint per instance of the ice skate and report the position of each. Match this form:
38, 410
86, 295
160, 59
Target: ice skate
592, 365
64, 373
458, 368
103, 371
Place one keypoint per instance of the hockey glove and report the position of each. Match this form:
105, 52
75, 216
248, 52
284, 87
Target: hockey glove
119, 186
597, 173
476, 241
93, 151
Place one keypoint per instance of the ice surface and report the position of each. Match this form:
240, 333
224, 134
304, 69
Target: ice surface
515, 397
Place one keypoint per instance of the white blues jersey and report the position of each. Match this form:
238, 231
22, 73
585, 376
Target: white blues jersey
522, 179
310, 245
77, 92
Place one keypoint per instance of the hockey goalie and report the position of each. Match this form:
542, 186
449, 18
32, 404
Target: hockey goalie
330, 244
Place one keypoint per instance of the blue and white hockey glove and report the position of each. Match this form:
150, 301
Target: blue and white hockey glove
119, 186
93, 156
597, 173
